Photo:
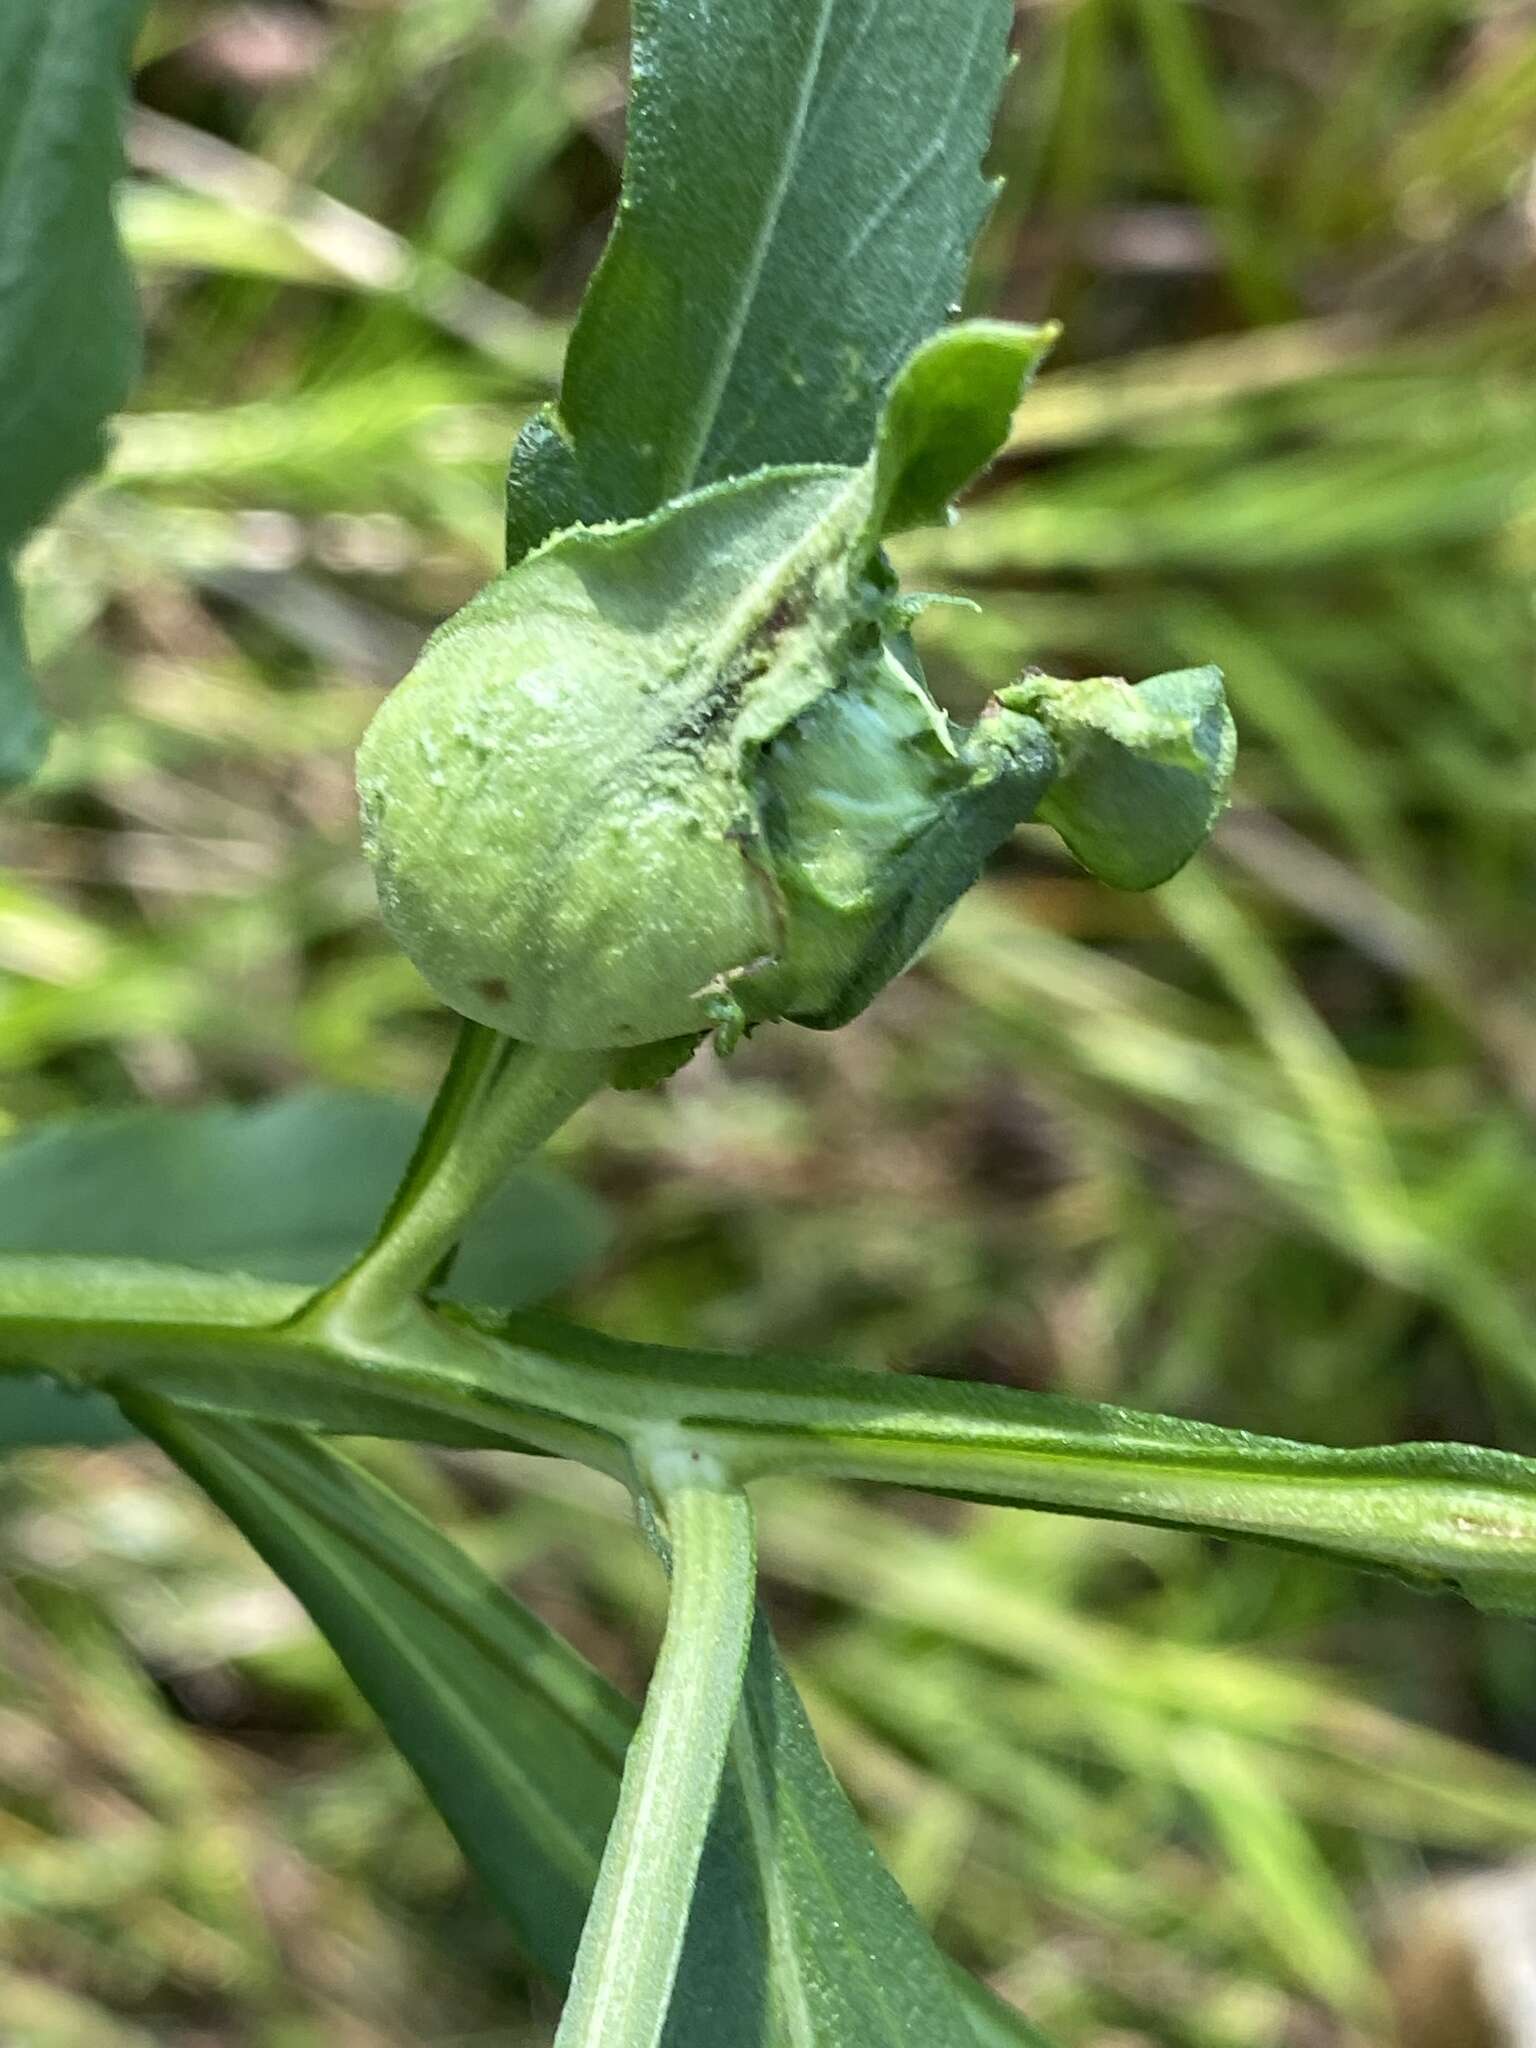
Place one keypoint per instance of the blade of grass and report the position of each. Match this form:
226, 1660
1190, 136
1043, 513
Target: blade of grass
1172, 36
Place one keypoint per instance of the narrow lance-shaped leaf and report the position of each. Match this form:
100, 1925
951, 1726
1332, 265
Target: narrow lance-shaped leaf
40, 1414
856, 1967
802, 187
68, 331
521, 1744
946, 414
518, 1744
23, 729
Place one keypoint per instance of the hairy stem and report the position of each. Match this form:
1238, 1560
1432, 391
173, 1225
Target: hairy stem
498, 1102
627, 1962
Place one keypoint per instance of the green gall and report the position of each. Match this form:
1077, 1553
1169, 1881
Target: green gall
878, 814
681, 774
1144, 772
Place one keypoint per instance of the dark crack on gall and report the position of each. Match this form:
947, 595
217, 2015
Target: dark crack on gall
722, 699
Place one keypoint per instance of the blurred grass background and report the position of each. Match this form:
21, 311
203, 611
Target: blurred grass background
1257, 1148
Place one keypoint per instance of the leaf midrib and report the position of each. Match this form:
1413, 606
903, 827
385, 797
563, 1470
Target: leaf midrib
714, 390
562, 1842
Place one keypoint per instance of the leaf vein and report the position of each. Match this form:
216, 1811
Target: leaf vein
758, 258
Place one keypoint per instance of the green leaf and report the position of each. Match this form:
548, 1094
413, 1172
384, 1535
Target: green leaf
69, 340
23, 729
1145, 770
521, 1746
38, 1413
852, 1964
994, 2023
802, 186
518, 1744
948, 413
289, 1191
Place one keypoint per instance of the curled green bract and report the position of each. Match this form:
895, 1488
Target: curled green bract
682, 773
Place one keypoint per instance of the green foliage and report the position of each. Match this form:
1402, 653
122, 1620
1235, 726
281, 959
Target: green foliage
69, 338
518, 1742
24, 735
1253, 1149
38, 1412
945, 415
864, 1972
522, 1746
292, 1191
769, 158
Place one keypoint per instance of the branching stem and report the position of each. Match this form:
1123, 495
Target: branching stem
256, 1351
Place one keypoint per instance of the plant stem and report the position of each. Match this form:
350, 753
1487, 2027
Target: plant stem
627, 1963
499, 1101
1436, 1514
478, 1056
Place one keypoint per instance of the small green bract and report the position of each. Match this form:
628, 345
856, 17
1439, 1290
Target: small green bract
682, 774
